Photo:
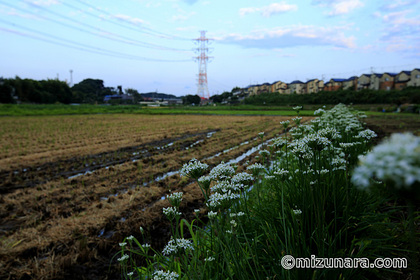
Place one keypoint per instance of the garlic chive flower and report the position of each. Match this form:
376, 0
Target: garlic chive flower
209, 259
256, 167
174, 247
175, 199
171, 213
395, 161
297, 108
123, 258
242, 178
193, 169
162, 275
319, 112
367, 134
297, 120
212, 215
205, 182
222, 172
285, 124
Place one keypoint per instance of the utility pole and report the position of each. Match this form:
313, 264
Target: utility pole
71, 77
202, 50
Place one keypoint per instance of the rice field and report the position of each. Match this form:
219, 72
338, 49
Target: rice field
73, 186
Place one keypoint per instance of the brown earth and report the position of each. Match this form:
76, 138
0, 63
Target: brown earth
55, 226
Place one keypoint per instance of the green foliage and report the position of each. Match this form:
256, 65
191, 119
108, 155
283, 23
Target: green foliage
31, 91
298, 202
191, 99
366, 96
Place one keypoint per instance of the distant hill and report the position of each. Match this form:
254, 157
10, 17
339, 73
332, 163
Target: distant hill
156, 95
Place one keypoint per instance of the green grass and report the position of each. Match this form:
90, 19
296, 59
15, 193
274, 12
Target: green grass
301, 203
60, 109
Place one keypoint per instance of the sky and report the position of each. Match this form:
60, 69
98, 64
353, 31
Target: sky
149, 45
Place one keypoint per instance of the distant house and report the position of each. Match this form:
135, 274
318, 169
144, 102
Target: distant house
414, 78
266, 87
350, 83
297, 87
334, 84
251, 90
386, 82
375, 81
314, 85
279, 87
402, 79
363, 82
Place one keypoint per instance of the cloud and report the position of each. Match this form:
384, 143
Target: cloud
401, 29
339, 7
284, 37
267, 11
129, 19
42, 2
190, 2
397, 5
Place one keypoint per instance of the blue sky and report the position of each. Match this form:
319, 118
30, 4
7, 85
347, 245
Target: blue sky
148, 44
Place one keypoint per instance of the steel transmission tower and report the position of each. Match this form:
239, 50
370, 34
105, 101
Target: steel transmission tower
202, 50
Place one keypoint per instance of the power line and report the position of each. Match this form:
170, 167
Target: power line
82, 47
151, 31
102, 33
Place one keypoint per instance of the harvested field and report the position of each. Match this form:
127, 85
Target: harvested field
72, 187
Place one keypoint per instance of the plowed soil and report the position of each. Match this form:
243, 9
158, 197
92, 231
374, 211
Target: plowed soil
72, 187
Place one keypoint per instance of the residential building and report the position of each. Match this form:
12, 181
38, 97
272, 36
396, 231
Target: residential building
350, 83
363, 82
334, 84
414, 78
297, 87
279, 87
402, 79
375, 81
386, 82
266, 87
314, 85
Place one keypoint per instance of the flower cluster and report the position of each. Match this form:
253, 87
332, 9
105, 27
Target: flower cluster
242, 178
193, 169
175, 245
396, 160
175, 199
367, 134
222, 172
162, 275
218, 200
171, 213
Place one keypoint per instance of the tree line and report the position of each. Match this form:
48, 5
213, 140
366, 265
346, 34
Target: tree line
366, 96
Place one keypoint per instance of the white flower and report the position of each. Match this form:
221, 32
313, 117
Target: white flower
264, 153
209, 259
222, 171
175, 199
123, 258
194, 169
162, 275
123, 244
212, 215
171, 213
130, 237
217, 200
297, 108
367, 134
395, 160
242, 178
256, 167
145, 245
130, 274
174, 246
297, 211
319, 112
